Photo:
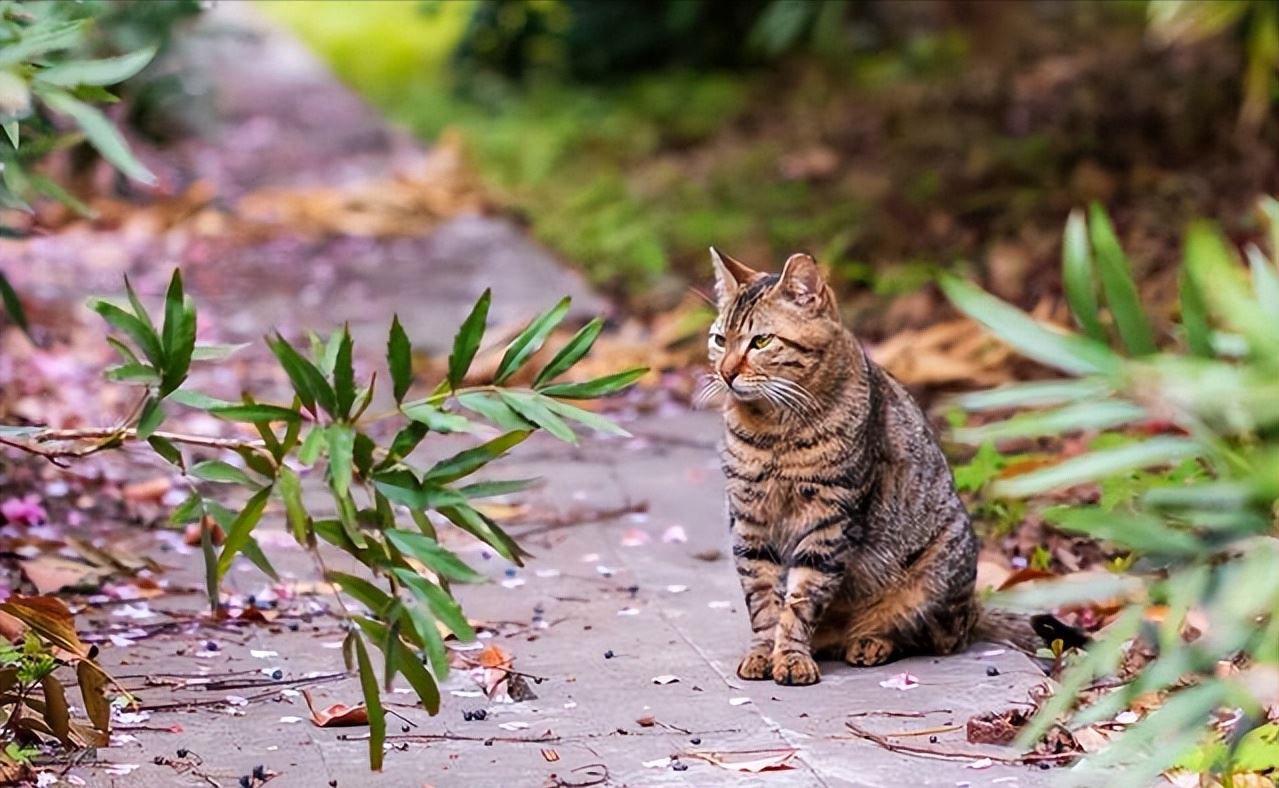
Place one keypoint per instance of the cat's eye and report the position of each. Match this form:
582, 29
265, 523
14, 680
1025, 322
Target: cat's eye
718, 339
761, 341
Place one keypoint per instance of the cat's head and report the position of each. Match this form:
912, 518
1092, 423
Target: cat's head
773, 332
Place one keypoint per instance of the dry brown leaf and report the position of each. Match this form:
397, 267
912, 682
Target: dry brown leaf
50, 573
50, 619
550, 755
339, 715
148, 491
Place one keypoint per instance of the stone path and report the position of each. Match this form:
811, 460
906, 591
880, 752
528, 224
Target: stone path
659, 608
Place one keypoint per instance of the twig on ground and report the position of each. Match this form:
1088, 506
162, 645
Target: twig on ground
580, 516
915, 714
951, 755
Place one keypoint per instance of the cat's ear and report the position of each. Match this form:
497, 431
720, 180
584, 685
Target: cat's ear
730, 274
802, 281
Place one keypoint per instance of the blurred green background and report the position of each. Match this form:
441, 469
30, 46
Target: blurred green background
887, 138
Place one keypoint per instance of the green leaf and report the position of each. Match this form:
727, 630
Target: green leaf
399, 358
1217, 274
341, 451
344, 376
404, 442
490, 489
599, 387
532, 407
981, 470
1138, 531
178, 338
143, 335
165, 448
216, 352
467, 341
491, 407
417, 676
482, 527
437, 558
1056, 348
438, 420
424, 624
139, 309
1265, 281
48, 37
219, 471
1194, 316
290, 487
210, 564
593, 420
1101, 415
1077, 276
134, 373
1118, 286
530, 340
571, 353
189, 511
308, 383
372, 703
441, 605
194, 399
107, 71
315, 442
1099, 464
468, 461
126, 353
13, 306
241, 529
257, 412
362, 591
152, 417
253, 551
100, 132
11, 131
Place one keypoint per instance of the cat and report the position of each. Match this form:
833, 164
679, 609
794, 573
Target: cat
848, 535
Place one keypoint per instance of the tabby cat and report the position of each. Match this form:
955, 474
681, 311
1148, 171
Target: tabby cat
848, 535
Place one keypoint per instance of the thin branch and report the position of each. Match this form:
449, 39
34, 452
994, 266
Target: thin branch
951, 755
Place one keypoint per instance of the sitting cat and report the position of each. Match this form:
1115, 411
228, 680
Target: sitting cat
847, 531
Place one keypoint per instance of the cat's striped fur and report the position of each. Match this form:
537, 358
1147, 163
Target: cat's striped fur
847, 531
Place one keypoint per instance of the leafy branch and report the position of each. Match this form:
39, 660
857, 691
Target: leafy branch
385, 507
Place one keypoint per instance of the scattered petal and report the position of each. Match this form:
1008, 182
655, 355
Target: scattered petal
635, 537
658, 763
738, 701
901, 681
121, 769
980, 763
676, 589
513, 582
628, 611
513, 726
547, 573
290, 720
674, 535
263, 653
719, 604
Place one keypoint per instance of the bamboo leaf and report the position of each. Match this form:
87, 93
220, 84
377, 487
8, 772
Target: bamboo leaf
100, 132
532, 408
1099, 464
530, 340
443, 606
372, 703
151, 418
165, 448
467, 341
219, 471
491, 407
256, 412
599, 387
571, 353
468, 461
13, 305
1078, 278
1071, 418
308, 383
178, 338
399, 359
1060, 349
241, 529
341, 439
1118, 286
143, 336
438, 420
593, 420
417, 676
344, 376
437, 558
290, 487
106, 71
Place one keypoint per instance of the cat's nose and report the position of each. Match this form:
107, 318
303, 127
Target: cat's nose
729, 376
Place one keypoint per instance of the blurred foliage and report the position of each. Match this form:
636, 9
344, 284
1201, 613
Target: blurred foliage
1255, 21
57, 59
1194, 507
385, 508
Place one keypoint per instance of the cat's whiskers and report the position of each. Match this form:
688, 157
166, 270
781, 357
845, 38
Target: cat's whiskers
711, 386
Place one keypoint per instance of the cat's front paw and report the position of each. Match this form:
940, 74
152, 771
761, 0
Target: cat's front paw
794, 668
756, 666
868, 652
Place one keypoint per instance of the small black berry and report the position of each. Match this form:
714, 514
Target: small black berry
695, 740
538, 679
245, 781
992, 671
210, 645
404, 729
293, 626
679, 766
608, 654
488, 742
932, 739
259, 772
277, 674
468, 716
158, 760
333, 784
183, 752
480, 714
1045, 765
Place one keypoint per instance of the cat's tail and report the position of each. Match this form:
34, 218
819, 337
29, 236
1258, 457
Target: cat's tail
1025, 631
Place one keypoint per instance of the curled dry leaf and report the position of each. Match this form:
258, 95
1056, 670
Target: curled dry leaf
753, 761
50, 619
339, 715
996, 727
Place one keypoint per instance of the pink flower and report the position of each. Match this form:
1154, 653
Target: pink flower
24, 511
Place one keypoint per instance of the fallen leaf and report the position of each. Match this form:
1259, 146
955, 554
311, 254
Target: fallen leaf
150, 490
738, 701
647, 721
980, 763
50, 574
50, 618
551, 756
339, 715
753, 761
